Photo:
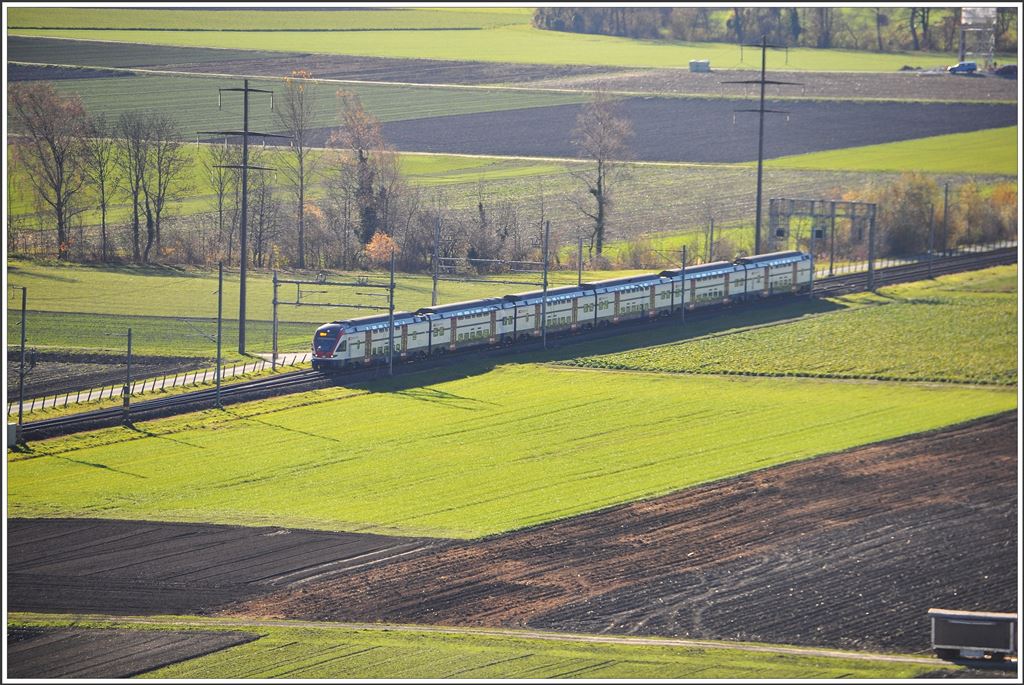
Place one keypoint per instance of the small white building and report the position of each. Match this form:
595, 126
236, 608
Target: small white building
700, 65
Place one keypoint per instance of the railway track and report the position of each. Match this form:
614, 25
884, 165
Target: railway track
300, 381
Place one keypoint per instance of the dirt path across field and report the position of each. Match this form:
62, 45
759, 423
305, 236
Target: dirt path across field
848, 550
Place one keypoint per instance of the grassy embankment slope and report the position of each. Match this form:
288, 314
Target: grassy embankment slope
906, 332
487, 36
305, 651
499, 448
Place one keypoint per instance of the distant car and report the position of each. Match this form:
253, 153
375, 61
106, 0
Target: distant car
963, 68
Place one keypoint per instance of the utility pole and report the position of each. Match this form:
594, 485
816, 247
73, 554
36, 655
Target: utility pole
931, 238
579, 260
273, 352
437, 255
711, 241
832, 240
391, 317
682, 283
544, 300
127, 392
244, 227
220, 316
21, 372
945, 226
871, 249
760, 128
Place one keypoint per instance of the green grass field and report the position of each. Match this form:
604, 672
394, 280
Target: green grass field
495, 450
306, 652
193, 100
171, 309
992, 151
156, 291
235, 20
492, 40
960, 328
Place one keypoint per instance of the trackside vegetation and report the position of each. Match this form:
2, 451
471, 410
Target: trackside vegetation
305, 651
463, 457
959, 328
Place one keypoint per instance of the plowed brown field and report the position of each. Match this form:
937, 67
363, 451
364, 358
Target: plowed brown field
846, 550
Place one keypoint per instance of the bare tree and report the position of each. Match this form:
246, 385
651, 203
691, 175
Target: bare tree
368, 167
52, 127
130, 158
100, 170
266, 221
217, 158
913, 28
601, 135
166, 162
295, 115
881, 19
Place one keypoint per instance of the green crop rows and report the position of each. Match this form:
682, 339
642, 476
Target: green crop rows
502, 449
306, 653
933, 331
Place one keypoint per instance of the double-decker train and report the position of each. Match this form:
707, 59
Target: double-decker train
512, 318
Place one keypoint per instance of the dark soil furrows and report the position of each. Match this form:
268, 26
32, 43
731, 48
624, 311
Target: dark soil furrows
696, 130
107, 653
137, 567
844, 550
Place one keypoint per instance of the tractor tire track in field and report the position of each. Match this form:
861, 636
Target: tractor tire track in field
846, 550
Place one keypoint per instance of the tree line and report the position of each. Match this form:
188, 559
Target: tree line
77, 163
882, 29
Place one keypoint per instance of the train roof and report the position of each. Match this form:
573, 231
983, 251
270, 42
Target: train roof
786, 256
554, 294
708, 269
621, 283
469, 306
376, 321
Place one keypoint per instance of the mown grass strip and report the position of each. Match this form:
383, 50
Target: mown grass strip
313, 652
992, 151
960, 328
503, 448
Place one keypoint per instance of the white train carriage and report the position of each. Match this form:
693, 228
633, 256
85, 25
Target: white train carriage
340, 343
490, 321
460, 324
776, 272
621, 299
563, 311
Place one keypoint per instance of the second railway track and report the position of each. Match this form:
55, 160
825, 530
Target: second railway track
300, 381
